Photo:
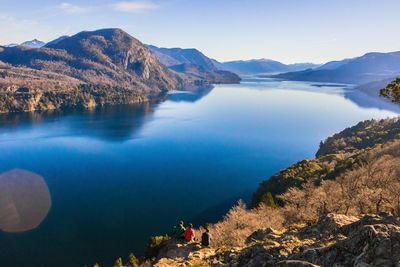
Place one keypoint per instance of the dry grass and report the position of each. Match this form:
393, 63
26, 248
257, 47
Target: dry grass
240, 222
371, 188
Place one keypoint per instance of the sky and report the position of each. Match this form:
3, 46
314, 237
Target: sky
285, 30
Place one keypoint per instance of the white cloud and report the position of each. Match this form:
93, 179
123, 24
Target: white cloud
72, 9
135, 6
13, 30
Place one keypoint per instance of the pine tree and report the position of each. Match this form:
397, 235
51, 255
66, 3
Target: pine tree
133, 261
118, 263
268, 200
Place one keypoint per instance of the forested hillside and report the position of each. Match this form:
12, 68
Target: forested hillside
342, 152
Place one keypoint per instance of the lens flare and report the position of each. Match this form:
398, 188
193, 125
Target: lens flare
24, 201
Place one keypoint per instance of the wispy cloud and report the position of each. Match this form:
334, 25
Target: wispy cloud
134, 6
13, 30
72, 9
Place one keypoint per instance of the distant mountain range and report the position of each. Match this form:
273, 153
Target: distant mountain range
109, 66
194, 64
10, 45
368, 68
261, 66
32, 44
177, 56
195, 74
35, 43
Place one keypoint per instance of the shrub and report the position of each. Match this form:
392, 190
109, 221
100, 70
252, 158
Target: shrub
240, 222
155, 244
268, 200
372, 187
118, 263
133, 261
392, 91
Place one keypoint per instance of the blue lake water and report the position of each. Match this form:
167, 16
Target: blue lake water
118, 175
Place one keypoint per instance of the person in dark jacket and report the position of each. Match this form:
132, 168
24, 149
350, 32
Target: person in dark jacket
179, 230
206, 238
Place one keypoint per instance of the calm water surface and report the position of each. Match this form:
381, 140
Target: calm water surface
120, 174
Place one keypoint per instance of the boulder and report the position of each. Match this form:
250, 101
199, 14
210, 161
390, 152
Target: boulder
374, 240
260, 235
295, 263
330, 224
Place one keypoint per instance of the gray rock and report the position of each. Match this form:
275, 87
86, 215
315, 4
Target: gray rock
260, 235
295, 263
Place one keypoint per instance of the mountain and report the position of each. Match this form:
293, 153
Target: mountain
10, 45
33, 43
331, 65
195, 74
197, 67
173, 57
106, 66
261, 66
255, 66
57, 40
176, 56
302, 66
365, 69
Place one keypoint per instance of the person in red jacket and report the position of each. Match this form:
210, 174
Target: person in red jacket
189, 233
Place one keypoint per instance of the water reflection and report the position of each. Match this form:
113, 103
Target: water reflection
365, 100
24, 201
112, 123
193, 95
117, 123
364, 96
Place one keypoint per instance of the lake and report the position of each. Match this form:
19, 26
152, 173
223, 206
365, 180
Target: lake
118, 175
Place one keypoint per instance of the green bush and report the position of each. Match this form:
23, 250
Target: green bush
133, 261
155, 244
119, 263
268, 200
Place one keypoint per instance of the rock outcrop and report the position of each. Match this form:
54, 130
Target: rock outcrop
336, 240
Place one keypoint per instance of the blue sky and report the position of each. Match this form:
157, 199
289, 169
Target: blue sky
285, 30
